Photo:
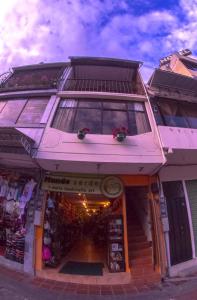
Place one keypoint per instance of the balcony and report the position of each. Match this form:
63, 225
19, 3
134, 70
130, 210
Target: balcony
31, 78
98, 85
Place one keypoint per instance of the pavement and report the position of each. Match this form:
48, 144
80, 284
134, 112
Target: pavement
18, 286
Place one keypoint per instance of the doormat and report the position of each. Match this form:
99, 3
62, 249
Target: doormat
83, 268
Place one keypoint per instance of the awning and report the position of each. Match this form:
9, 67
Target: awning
174, 81
104, 61
14, 141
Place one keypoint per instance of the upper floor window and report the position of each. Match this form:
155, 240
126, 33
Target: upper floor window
101, 117
177, 114
22, 111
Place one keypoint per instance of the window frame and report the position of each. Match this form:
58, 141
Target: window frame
22, 124
127, 110
180, 105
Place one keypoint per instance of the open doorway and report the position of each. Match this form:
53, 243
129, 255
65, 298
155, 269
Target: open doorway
139, 229
83, 234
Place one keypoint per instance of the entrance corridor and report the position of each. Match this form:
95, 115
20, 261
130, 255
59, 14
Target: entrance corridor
85, 250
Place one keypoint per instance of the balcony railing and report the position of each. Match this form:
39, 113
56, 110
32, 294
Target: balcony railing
97, 85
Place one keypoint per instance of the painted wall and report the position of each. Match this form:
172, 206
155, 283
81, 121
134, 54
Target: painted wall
178, 138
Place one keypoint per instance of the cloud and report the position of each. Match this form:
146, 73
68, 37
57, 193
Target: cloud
32, 31
185, 36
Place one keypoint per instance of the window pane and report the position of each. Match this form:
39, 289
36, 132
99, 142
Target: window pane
114, 105
88, 114
173, 115
12, 110
157, 114
114, 119
136, 106
88, 118
190, 111
64, 119
68, 103
138, 123
141, 123
33, 111
132, 123
90, 104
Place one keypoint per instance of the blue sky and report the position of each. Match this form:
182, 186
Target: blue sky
32, 31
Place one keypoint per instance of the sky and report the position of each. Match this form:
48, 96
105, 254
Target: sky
34, 31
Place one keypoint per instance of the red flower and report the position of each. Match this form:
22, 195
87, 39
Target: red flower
86, 130
119, 130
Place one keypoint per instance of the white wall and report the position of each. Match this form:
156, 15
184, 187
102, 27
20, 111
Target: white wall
178, 138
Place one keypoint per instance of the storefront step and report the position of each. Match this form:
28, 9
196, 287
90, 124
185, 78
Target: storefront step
150, 276
134, 227
140, 252
136, 239
139, 245
11, 264
136, 233
139, 261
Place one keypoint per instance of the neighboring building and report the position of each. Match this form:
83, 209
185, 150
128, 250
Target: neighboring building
172, 90
96, 148
26, 96
181, 62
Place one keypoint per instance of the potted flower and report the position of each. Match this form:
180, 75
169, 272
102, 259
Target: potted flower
82, 133
120, 133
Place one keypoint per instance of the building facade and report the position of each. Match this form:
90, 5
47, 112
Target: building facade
172, 90
26, 96
89, 145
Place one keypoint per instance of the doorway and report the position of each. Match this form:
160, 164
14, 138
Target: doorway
179, 233
83, 234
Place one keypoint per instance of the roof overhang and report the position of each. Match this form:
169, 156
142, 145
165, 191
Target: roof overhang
15, 142
42, 66
165, 79
104, 61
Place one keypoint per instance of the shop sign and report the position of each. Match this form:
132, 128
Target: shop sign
72, 184
112, 187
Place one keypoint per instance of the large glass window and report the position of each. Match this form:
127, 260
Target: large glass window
177, 114
101, 117
33, 111
11, 110
22, 111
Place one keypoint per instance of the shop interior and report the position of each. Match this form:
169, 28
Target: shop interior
83, 234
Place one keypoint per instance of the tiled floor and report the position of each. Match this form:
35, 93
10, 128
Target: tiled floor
68, 288
86, 251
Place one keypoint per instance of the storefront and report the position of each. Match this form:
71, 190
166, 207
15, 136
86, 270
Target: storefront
86, 226
17, 198
179, 192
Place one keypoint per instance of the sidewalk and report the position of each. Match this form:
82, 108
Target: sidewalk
18, 286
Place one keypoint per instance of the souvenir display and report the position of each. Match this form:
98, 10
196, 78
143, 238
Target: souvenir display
116, 261
15, 193
60, 229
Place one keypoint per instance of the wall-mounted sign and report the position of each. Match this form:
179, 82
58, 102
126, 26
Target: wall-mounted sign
110, 186
72, 184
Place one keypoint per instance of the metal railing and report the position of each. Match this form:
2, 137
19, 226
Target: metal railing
98, 85
4, 77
